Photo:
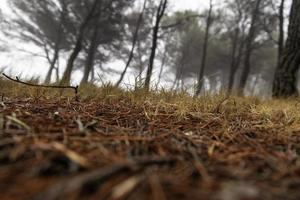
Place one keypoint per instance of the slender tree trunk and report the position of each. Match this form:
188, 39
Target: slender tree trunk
160, 13
233, 66
52, 66
57, 43
91, 56
205, 48
141, 63
285, 81
134, 41
237, 48
163, 62
57, 71
281, 31
249, 48
92, 75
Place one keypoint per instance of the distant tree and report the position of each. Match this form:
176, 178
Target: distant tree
285, 82
249, 43
235, 31
159, 15
281, 30
135, 37
92, 12
105, 31
209, 21
40, 22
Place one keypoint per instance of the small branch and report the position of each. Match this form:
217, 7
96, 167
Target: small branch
17, 80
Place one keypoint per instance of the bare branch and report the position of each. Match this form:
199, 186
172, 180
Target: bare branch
17, 80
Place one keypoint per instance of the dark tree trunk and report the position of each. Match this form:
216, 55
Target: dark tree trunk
57, 71
204, 54
70, 64
160, 13
141, 63
91, 56
134, 41
163, 62
281, 31
237, 42
285, 81
249, 47
233, 66
52, 66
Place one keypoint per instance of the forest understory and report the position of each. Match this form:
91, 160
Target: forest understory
131, 145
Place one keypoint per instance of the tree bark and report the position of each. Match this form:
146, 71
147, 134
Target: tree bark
285, 81
204, 54
249, 47
160, 13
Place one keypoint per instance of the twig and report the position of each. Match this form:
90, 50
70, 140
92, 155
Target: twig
17, 80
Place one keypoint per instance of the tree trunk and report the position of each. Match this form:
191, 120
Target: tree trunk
57, 43
281, 31
249, 48
70, 64
52, 66
78, 45
233, 66
134, 40
91, 56
285, 81
160, 13
163, 62
204, 54
57, 70
237, 42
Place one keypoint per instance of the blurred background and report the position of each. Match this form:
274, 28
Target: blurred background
227, 45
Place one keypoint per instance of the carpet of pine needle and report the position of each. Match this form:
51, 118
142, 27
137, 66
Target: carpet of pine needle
113, 144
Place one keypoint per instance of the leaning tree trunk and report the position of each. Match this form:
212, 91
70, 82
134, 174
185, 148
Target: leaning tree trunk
52, 66
159, 15
134, 41
91, 56
58, 40
78, 45
204, 53
249, 48
70, 64
281, 31
285, 81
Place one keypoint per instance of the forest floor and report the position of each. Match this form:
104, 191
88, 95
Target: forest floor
160, 146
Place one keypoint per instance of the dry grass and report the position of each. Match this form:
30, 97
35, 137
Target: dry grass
116, 144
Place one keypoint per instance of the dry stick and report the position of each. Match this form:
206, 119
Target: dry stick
17, 80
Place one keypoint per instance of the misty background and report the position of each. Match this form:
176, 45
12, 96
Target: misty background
32, 31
